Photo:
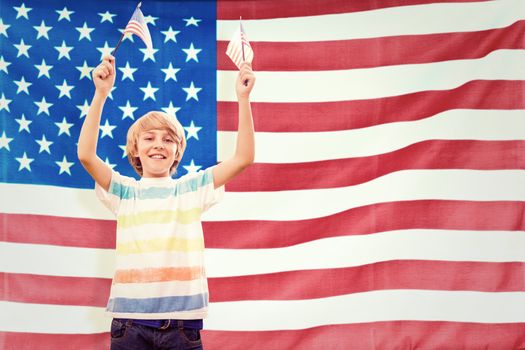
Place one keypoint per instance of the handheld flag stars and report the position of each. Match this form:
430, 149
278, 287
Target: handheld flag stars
239, 49
137, 25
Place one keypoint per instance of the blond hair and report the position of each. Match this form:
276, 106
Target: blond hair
150, 121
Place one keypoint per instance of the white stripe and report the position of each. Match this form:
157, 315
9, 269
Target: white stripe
348, 251
39, 259
389, 305
459, 124
407, 185
376, 306
406, 20
345, 251
53, 201
357, 84
472, 185
54, 319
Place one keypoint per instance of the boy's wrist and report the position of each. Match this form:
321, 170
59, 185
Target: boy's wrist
100, 94
243, 99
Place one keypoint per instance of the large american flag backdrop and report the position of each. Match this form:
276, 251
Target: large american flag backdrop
385, 209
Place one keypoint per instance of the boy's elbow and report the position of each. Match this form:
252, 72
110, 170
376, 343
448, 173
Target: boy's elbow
84, 157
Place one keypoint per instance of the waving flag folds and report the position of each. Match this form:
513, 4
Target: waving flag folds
137, 25
385, 206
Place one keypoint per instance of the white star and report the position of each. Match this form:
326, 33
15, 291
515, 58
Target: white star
64, 166
43, 106
43, 69
128, 35
192, 91
4, 141
192, 168
170, 35
85, 32
63, 50
128, 111
149, 92
42, 30
4, 103
44, 145
24, 124
23, 85
150, 19
191, 53
83, 109
106, 16
171, 110
64, 89
4, 64
149, 53
85, 71
24, 162
123, 148
170, 72
127, 72
22, 11
107, 129
192, 21
4, 28
105, 51
109, 164
63, 127
192, 131
111, 92
64, 14
22, 49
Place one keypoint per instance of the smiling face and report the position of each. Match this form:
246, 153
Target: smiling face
155, 144
157, 151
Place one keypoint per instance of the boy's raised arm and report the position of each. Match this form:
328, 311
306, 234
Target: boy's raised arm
104, 79
245, 149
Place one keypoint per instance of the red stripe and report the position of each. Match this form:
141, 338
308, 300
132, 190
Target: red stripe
375, 52
426, 214
401, 335
456, 154
33, 341
60, 231
54, 290
293, 285
431, 214
261, 9
389, 275
404, 335
345, 115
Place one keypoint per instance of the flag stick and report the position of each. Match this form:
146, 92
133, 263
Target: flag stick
245, 82
242, 44
122, 36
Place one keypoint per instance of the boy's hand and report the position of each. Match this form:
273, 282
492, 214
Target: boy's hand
104, 75
245, 81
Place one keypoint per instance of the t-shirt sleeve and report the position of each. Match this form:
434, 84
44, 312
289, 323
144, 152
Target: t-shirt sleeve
208, 194
119, 188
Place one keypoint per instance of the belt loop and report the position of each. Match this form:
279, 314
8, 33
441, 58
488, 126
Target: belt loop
166, 324
180, 323
129, 322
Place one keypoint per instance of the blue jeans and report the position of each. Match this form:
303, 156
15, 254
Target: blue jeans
125, 335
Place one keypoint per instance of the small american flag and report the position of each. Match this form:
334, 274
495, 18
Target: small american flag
239, 48
137, 25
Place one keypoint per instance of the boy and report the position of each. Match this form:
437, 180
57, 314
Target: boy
159, 293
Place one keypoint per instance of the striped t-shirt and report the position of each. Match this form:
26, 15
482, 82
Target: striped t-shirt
160, 245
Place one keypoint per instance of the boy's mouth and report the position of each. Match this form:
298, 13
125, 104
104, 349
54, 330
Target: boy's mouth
157, 156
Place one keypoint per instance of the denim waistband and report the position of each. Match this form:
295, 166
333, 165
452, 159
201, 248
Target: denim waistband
163, 324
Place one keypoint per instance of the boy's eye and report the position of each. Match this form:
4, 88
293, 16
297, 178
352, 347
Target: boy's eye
169, 140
